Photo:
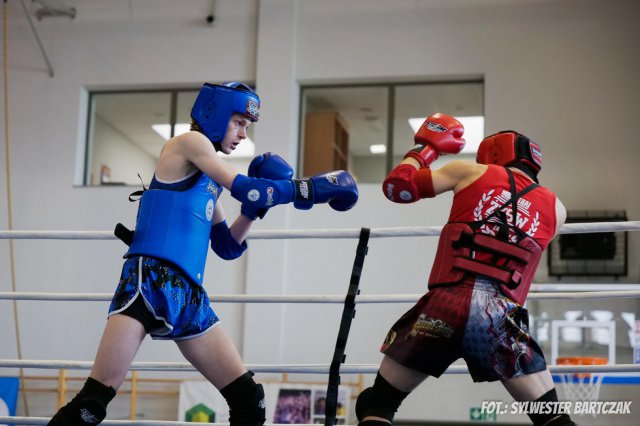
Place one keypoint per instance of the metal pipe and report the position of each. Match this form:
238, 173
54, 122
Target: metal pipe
35, 33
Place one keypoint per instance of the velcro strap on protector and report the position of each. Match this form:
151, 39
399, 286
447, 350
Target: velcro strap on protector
499, 274
501, 247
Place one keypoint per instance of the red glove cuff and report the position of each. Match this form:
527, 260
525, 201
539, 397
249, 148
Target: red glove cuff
424, 183
423, 154
405, 184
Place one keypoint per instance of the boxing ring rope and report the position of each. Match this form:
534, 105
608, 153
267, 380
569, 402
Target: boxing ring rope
552, 292
293, 368
420, 231
45, 420
313, 298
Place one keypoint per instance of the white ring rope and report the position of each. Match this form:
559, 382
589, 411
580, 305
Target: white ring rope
294, 368
45, 420
312, 298
421, 231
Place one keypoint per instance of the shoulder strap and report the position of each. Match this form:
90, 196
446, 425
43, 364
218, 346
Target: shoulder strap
514, 197
139, 192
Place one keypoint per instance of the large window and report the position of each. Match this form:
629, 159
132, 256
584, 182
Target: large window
127, 130
368, 128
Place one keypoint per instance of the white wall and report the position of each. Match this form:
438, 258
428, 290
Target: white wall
564, 73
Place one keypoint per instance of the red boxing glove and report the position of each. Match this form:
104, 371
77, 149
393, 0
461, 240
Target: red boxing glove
439, 134
406, 184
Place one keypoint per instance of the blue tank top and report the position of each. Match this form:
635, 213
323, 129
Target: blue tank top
174, 223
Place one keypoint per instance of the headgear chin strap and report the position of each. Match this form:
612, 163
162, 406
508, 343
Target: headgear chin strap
510, 148
215, 105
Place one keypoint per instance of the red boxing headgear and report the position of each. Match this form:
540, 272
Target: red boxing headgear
510, 148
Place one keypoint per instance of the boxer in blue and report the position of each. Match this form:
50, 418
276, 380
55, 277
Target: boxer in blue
161, 287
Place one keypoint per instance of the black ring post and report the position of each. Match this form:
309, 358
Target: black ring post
348, 313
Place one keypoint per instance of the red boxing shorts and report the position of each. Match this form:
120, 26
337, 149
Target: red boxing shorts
469, 320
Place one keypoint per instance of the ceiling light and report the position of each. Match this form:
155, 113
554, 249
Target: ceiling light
473, 131
378, 149
245, 149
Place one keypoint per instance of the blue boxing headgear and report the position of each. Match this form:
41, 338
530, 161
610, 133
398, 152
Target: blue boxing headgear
216, 103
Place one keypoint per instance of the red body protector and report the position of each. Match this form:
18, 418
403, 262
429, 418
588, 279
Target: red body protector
465, 252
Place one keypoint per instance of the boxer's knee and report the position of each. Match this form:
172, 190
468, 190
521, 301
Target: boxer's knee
381, 400
246, 401
87, 408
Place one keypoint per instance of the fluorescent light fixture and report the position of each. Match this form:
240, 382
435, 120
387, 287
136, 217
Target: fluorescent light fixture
473, 131
378, 149
245, 149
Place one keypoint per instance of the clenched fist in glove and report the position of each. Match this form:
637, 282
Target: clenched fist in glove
439, 134
336, 188
268, 166
256, 194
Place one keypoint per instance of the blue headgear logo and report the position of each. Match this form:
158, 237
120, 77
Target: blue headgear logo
215, 105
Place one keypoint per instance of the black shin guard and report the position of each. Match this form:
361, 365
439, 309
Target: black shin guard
246, 401
381, 400
88, 407
550, 419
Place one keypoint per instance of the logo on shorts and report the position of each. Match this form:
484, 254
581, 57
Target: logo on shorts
209, 211
430, 327
391, 337
253, 195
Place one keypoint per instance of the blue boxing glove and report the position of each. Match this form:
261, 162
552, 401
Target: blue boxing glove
336, 188
269, 166
258, 192
253, 212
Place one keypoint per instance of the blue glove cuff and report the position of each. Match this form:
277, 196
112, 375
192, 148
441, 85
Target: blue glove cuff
304, 194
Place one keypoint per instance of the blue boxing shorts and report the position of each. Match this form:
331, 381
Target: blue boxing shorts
470, 320
178, 308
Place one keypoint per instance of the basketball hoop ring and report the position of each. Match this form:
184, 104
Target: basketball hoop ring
581, 386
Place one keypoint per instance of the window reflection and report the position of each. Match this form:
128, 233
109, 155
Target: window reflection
376, 142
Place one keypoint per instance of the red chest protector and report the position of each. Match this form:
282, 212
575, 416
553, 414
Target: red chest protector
464, 252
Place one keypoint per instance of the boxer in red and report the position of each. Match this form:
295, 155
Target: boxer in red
500, 222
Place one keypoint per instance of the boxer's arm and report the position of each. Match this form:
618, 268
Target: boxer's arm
408, 182
228, 242
456, 175
561, 215
240, 227
413, 179
199, 151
